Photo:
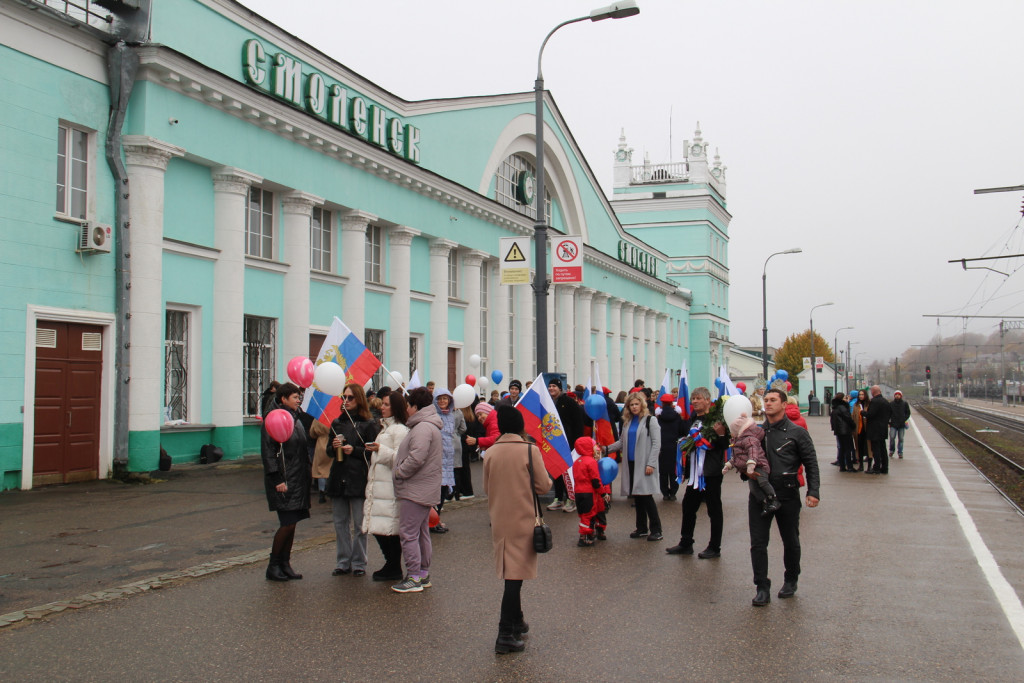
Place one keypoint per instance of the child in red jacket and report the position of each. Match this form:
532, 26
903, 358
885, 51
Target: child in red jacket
592, 497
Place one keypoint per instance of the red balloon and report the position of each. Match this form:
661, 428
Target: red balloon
741, 386
279, 424
433, 519
471, 380
789, 386
301, 370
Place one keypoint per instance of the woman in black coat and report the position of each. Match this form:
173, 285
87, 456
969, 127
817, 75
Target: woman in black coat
286, 478
843, 427
346, 485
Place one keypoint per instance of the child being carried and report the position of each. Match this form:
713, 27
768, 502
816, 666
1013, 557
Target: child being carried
748, 457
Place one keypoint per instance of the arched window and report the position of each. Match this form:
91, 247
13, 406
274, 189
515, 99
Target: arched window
509, 188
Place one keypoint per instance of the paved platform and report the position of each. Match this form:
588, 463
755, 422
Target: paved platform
917, 575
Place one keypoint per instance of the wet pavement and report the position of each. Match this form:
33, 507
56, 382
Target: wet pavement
892, 589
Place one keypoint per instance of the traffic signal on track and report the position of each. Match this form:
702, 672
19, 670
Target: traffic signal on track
927, 372
959, 372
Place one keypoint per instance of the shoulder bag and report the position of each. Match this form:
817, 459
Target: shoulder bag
541, 531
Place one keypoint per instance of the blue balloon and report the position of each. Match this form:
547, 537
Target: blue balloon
783, 375
497, 376
596, 407
718, 382
609, 469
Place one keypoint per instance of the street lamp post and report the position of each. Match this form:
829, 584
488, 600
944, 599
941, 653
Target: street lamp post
764, 308
814, 370
616, 10
835, 368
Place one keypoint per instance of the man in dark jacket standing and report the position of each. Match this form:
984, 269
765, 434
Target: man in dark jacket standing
843, 427
571, 414
898, 423
711, 495
879, 414
671, 422
787, 446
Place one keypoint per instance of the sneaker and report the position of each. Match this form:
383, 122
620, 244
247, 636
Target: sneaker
655, 536
410, 585
555, 505
467, 497
636, 533
570, 506
425, 582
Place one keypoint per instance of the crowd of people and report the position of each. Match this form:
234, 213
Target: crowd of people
390, 461
862, 425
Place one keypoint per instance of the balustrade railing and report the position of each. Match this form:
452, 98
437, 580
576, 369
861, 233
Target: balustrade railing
659, 173
86, 11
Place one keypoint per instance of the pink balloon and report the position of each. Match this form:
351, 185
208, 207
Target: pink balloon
300, 371
471, 380
279, 424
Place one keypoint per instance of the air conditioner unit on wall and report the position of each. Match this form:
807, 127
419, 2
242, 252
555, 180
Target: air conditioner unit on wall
95, 238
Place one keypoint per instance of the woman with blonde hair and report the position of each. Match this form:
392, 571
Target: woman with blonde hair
641, 443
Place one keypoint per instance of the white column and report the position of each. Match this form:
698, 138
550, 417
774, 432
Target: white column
583, 325
146, 160
565, 360
400, 273
297, 208
438, 363
501, 314
600, 323
654, 372
471, 261
628, 369
616, 346
526, 336
640, 363
353, 266
661, 343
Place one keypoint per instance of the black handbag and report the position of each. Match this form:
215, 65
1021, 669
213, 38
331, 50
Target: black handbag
541, 532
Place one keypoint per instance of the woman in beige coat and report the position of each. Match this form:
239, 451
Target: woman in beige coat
510, 502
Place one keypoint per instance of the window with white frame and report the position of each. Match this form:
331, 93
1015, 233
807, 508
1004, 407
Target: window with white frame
72, 172
414, 355
507, 187
320, 240
176, 366
374, 250
453, 274
259, 224
485, 279
375, 343
258, 359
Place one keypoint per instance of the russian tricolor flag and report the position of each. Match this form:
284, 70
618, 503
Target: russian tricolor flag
684, 393
343, 347
544, 425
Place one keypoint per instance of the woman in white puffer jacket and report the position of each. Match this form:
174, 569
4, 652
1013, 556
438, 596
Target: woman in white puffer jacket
380, 510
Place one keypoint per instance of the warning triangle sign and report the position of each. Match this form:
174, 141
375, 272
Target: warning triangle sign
514, 254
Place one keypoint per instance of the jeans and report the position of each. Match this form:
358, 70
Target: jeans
896, 434
348, 515
414, 530
711, 496
788, 520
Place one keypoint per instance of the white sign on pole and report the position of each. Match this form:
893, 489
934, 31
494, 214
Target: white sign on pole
567, 261
515, 260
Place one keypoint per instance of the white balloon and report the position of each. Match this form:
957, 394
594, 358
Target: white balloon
736, 406
463, 396
481, 383
397, 377
474, 361
329, 378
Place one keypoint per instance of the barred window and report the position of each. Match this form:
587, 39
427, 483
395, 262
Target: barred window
375, 343
72, 172
485, 278
507, 182
176, 350
374, 249
258, 354
320, 240
453, 274
259, 224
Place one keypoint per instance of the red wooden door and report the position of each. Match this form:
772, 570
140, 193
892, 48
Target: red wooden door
453, 358
67, 411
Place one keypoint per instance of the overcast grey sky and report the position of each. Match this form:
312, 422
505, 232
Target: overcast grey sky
854, 130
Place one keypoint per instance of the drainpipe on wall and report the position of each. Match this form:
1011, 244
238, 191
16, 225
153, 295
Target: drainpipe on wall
131, 30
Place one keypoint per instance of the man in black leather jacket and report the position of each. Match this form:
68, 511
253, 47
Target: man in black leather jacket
787, 446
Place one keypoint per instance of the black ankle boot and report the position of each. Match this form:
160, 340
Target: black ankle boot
286, 567
508, 641
520, 628
274, 571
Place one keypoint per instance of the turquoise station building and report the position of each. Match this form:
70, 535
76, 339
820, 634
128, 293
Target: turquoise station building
189, 195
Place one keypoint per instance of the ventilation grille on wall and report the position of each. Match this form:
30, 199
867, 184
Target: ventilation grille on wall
92, 341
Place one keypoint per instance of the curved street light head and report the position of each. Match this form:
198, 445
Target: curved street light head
794, 250
830, 303
616, 10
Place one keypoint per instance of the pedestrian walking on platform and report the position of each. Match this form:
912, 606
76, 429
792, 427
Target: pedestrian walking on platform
787, 446
287, 479
879, 413
898, 423
511, 503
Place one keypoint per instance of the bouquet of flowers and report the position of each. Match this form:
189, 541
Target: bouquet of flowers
703, 434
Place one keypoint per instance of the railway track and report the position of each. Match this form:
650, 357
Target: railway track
998, 455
